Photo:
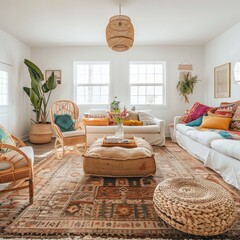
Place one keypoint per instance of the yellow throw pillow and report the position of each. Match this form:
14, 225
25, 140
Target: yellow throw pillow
96, 121
132, 123
215, 122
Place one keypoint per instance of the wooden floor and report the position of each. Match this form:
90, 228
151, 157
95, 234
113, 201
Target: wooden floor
41, 151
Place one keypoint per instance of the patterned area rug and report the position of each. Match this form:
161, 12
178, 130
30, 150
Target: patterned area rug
67, 203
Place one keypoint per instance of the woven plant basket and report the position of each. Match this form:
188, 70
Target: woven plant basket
195, 206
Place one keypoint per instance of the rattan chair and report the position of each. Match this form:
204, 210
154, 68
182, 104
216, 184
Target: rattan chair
76, 140
16, 163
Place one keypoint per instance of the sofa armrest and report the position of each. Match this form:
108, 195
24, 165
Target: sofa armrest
161, 125
176, 121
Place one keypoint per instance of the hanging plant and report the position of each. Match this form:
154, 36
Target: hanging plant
186, 86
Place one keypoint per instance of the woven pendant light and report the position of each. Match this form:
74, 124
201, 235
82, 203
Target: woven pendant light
120, 33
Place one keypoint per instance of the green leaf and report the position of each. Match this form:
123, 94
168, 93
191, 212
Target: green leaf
35, 87
45, 88
34, 71
27, 90
34, 99
51, 82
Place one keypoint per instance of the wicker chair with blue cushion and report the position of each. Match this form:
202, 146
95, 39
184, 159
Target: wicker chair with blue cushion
16, 163
70, 132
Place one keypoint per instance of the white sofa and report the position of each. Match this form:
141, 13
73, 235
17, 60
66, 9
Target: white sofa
221, 155
154, 134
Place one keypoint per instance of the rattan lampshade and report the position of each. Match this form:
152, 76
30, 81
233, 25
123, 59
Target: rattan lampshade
120, 33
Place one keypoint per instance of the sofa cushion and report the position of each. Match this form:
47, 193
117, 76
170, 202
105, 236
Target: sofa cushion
235, 123
73, 133
146, 117
203, 137
133, 115
222, 111
215, 122
5, 137
196, 111
132, 123
235, 104
227, 147
184, 128
97, 113
96, 121
195, 123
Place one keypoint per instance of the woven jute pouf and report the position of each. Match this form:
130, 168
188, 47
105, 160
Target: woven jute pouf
195, 206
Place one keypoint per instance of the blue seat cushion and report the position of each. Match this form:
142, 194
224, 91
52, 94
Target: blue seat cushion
64, 122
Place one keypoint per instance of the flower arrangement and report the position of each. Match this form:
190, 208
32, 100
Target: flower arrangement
116, 113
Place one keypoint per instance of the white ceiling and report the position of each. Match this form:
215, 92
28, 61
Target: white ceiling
83, 22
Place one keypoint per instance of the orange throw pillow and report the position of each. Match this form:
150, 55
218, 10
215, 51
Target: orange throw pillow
96, 121
215, 122
132, 123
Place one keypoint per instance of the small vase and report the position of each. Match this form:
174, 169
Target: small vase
119, 131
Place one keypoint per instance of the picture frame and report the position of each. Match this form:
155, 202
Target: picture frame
222, 76
57, 74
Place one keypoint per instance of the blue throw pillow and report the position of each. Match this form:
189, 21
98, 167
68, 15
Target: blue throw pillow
64, 122
5, 138
195, 123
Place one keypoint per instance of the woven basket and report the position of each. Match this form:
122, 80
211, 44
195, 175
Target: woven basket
195, 206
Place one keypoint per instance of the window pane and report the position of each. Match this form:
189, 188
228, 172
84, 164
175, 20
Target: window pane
142, 78
134, 69
142, 69
134, 78
134, 90
159, 68
141, 90
134, 100
150, 78
150, 69
158, 90
158, 78
150, 100
158, 100
142, 100
150, 90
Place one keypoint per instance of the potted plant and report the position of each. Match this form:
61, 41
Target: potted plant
39, 94
186, 86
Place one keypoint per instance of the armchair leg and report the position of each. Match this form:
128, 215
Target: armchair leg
31, 191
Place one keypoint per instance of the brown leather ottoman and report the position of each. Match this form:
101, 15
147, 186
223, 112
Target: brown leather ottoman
119, 161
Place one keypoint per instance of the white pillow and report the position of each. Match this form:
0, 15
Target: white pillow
97, 113
146, 117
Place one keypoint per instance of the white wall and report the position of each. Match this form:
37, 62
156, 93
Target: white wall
13, 52
62, 58
223, 49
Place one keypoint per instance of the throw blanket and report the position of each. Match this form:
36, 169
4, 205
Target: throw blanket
229, 134
234, 135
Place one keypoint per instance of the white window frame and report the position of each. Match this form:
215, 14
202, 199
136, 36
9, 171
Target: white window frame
163, 84
8, 108
75, 84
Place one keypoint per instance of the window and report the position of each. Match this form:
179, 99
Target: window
3, 88
92, 80
147, 83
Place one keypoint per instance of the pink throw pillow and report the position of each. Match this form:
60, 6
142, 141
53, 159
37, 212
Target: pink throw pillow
196, 111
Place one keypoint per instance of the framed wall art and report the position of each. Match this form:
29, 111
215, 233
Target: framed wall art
57, 74
222, 75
